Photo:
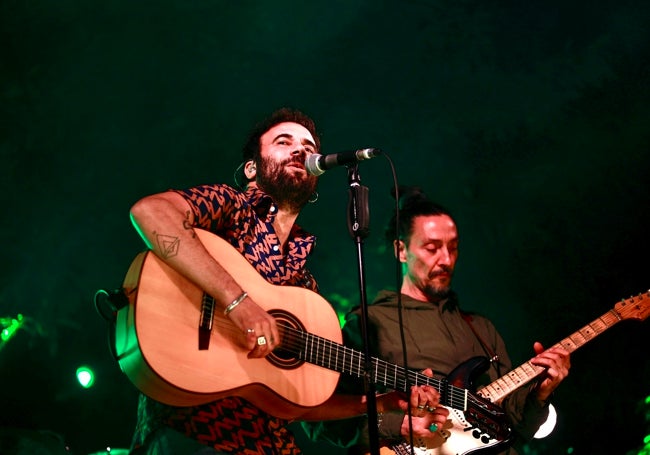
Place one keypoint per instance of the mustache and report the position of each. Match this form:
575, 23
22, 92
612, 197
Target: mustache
445, 269
293, 161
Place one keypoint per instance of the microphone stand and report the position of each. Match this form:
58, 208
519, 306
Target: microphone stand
358, 226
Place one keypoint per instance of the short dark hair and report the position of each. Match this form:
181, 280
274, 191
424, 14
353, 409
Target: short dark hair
251, 149
413, 202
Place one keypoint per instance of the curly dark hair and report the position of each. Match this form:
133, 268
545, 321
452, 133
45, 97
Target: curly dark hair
251, 149
412, 202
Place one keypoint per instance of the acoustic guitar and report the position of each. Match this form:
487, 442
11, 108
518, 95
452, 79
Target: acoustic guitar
176, 346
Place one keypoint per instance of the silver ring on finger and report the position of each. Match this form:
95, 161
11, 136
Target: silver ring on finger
261, 341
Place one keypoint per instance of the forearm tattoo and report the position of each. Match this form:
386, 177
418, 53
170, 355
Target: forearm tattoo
167, 245
187, 224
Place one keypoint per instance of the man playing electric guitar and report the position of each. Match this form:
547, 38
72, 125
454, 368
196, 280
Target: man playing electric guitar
438, 335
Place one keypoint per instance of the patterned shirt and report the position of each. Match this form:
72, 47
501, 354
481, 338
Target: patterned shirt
232, 424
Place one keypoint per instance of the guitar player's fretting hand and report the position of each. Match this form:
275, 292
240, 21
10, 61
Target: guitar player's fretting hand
260, 329
557, 362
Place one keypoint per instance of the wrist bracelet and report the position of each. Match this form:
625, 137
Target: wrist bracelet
234, 303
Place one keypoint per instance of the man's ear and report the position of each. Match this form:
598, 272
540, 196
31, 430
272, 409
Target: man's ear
250, 170
400, 250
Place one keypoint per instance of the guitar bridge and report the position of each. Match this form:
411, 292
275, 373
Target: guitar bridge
205, 324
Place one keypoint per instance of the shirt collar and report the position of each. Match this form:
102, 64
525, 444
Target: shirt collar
261, 202
266, 209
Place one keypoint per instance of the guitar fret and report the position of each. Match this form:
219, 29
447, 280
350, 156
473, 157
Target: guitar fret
351, 367
599, 325
347, 362
360, 364
316, 351
394, 375
511, 380
530, 370
322, 350
336, 360
378, 371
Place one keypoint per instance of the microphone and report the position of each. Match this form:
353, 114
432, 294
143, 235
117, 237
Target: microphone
316, 164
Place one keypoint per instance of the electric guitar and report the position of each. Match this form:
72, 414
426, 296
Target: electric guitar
177, 347
460, 436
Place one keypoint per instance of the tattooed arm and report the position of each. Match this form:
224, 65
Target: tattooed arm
165, 222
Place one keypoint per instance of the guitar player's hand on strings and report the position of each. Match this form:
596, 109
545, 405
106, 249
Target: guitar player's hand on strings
557, 362
427, 416
260, 329
426, 426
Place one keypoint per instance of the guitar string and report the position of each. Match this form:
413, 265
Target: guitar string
326, 352
329, 354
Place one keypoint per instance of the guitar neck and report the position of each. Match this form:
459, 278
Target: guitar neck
527, 372
333, 356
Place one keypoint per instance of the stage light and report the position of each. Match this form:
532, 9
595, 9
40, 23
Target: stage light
85, 376
9, 328
549, 425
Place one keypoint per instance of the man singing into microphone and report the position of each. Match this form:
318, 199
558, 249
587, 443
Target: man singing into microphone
258, 220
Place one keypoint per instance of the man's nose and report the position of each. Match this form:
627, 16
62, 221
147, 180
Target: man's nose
299, 150
445, 256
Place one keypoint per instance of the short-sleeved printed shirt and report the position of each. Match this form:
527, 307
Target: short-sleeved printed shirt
232, 424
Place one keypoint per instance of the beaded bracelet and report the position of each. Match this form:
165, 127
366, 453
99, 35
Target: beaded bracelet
234, 303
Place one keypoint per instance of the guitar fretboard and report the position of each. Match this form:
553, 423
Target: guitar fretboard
333, 356
525, 373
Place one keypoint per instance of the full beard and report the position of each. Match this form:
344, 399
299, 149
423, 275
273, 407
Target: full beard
290, 190
437, 293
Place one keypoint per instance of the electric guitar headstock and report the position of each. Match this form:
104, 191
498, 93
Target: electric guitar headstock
636, 307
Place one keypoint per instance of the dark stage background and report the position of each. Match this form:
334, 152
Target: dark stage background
530, 120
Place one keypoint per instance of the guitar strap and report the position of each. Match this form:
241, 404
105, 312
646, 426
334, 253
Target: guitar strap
493, 356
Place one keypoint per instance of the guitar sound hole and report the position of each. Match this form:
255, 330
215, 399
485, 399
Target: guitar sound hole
280, 357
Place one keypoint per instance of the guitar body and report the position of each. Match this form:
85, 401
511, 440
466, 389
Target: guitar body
157, 339
480, 428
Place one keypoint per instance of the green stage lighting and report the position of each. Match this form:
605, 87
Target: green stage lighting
85, 376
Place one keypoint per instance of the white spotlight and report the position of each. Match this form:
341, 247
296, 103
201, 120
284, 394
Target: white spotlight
547, 427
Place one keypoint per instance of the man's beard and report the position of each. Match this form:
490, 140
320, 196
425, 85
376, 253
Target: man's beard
285, 188
437, 293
